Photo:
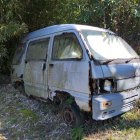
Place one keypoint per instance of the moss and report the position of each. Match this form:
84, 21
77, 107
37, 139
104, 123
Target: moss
29, 114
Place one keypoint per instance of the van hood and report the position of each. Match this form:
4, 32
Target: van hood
127, 75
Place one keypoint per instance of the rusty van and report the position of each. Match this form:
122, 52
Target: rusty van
93, 69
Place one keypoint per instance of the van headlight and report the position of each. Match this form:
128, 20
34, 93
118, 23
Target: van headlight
108, 85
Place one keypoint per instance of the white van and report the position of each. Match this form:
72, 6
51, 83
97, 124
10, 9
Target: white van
94, 67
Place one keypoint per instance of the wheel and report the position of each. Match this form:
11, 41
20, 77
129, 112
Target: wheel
16, 84
72, 115
20, 87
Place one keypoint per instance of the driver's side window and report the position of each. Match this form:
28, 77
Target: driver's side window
66, 46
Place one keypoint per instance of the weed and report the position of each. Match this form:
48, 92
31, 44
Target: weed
69, 101
77, 133
29, 114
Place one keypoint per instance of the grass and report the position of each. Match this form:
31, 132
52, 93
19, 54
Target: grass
29, 114
126, 126
25, 118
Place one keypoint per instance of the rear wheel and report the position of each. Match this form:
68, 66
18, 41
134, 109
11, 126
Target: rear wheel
19, 85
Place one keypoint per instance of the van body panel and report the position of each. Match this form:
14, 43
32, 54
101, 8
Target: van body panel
17, 72
60, 28
127, 75
35, 75
110, 105
81, 99
70, 75
97, 71
121, 71
35, 79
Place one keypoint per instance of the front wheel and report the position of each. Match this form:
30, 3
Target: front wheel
72, 114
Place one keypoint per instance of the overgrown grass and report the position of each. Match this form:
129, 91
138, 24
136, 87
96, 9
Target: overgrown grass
25, 118
125, 127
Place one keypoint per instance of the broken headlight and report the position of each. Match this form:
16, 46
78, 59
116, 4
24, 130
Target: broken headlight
107, 85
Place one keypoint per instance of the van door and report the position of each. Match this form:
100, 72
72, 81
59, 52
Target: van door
68, 67
35, 72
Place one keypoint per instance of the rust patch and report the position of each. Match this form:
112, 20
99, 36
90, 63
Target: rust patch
91, 85
62, 94
90, 79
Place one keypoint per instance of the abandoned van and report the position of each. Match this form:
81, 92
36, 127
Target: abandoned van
92, 69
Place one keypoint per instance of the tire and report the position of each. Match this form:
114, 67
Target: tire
20, 87
72, 115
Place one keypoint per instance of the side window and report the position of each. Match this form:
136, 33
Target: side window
18, 54
37, 50
66, 46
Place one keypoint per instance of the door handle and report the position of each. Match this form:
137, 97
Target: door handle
51, 65
44, 66
26, 61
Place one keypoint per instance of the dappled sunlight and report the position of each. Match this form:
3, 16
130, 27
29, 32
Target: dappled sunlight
107, 45
127, 125
107, 49
2, 137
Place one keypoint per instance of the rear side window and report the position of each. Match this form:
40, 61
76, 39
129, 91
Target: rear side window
18, 55
66, 46
37, 50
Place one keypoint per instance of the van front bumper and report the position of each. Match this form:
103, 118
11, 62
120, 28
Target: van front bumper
109, 105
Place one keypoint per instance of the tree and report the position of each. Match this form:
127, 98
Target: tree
20, 16
121, 16
10, 27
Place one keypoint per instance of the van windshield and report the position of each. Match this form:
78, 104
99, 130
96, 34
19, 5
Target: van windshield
107, 46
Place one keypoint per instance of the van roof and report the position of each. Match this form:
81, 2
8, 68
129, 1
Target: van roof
58, 28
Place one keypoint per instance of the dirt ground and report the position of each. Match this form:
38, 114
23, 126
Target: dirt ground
24, 118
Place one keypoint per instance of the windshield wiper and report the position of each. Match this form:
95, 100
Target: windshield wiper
127, 61
107, 61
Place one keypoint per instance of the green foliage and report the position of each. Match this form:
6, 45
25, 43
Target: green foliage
69, 101
11, 29
77, 133
117, 15
2, 51
20, 16
29, 114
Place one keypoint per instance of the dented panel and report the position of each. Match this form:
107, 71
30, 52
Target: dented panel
110, 105
127, 75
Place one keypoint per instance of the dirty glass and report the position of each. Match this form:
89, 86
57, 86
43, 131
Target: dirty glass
37, 50
66, 46
105, 46
18, 55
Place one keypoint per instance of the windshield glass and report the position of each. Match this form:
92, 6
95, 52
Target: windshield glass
106, 45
